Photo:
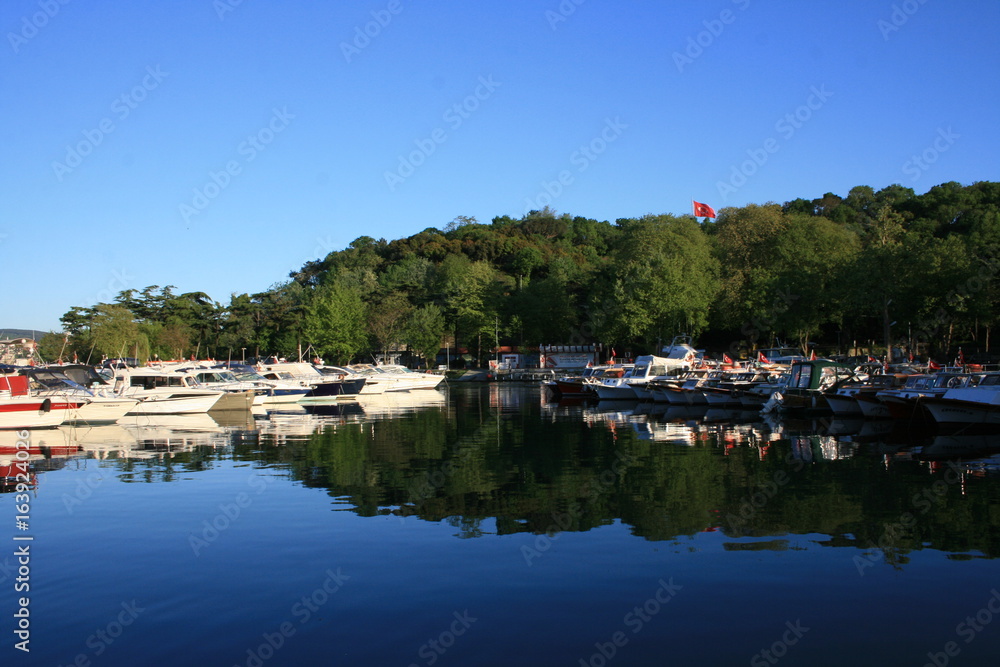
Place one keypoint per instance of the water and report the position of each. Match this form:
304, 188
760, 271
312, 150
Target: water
483, 526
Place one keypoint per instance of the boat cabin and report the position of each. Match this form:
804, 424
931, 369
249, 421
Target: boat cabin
818, 375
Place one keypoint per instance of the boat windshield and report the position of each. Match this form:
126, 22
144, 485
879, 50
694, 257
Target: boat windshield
216, 376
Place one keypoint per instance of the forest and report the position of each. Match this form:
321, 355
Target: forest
917, 272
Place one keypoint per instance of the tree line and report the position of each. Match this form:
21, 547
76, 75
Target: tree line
918, 271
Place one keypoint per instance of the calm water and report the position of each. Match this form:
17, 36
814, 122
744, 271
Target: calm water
484, 526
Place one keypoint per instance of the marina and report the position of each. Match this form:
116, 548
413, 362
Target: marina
497, 524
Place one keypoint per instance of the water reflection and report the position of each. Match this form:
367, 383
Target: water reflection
503, 454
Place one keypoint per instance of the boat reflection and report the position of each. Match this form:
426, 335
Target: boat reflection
476, 453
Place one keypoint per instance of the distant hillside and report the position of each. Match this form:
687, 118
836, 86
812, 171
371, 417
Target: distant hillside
7, 334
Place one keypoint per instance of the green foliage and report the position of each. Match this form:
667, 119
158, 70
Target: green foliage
664, 280
53, 346
424, 330
115, 331
335, 321
801, 270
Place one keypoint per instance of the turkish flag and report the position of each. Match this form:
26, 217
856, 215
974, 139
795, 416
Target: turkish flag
812, 357
762, 359
726, 359
931, 366
703, 210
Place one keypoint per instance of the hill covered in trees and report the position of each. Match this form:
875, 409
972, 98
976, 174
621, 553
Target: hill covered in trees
920, 270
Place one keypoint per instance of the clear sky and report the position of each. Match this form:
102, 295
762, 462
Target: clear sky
216, 146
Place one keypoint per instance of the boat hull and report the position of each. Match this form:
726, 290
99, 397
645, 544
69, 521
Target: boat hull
175, 404
31, 412
100, 409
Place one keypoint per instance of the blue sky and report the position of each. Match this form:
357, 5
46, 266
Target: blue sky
216, 146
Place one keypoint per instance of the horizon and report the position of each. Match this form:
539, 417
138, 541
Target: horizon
219, 146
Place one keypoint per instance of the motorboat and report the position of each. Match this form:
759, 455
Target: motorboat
646, 368
392, 377
165, 393
20, 409
810, 383
906, 402
330, 383
269, 390
860, 399
979, 404
97, 402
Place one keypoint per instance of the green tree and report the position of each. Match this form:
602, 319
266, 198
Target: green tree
424, 330
746, 245
664, 280
387, 320
54, 346
115, 331
335, 317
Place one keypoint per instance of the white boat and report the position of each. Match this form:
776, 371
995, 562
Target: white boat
97, 402
906, 402
968, 405
395, 378
21, 410
680, 355
275, 390
861, 398
257, 392
329, 384
646, 368
161, 393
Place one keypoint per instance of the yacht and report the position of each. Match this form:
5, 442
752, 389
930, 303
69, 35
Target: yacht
165, 393
20, 409
96, 403
646, 368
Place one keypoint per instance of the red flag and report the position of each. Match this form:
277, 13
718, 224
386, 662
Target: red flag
613, 353
761, 358
961, 358
812, 356
726, 359
931, 366
703, 210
